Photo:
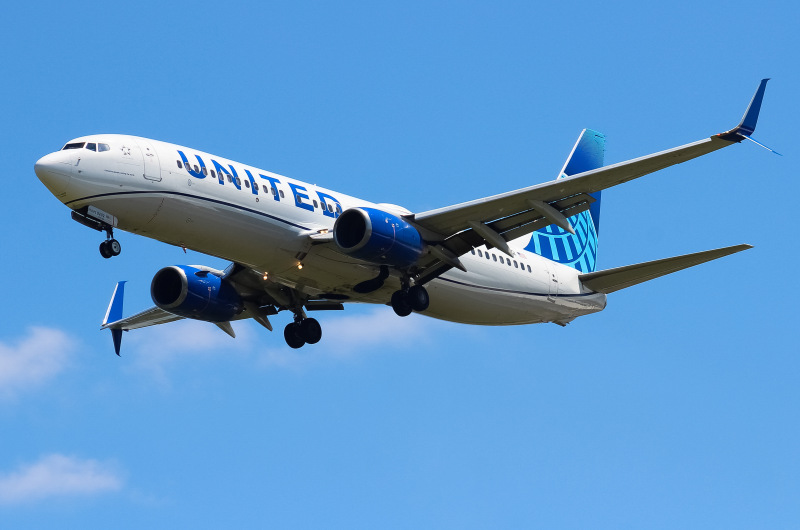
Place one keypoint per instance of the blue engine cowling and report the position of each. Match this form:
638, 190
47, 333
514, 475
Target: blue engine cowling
377, 236
195, 293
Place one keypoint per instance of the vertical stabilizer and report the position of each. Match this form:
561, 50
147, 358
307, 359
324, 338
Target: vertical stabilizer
579, 251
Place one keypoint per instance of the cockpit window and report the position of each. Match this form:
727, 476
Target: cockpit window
76, 145
91, 147
103, 147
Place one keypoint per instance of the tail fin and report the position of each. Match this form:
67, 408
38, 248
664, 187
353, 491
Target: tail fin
579, 251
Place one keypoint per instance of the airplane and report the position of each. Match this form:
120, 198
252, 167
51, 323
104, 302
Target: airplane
521, 257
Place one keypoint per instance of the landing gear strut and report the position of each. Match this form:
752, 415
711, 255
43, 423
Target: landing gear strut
413, 298
108, 248
302, 331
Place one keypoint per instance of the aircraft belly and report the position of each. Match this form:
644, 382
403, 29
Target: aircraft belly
472, 304
327, 271
132, 216
220, 230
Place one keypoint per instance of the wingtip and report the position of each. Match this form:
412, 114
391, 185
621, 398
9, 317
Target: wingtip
750, 118
114, 311
116, 335
748, 123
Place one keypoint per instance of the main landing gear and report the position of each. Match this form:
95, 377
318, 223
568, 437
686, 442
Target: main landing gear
302, 331
410, 299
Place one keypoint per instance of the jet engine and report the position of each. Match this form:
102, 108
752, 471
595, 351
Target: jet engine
195, 293
377, 236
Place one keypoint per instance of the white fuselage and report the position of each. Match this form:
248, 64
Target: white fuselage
264, 221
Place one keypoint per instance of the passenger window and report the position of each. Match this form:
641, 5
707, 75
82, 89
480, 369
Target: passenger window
230, 179
480, 254
494, 257
238, 182
529, 268
472, 251
196, 169
205, 172
338, 209
315, 205
180, 164
266, 189
247, 184
213, 174
501, 259
91, 147
274, 191
103, 147
330, 208
515, 264
282, 194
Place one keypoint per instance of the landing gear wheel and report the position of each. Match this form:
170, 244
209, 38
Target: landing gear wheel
105, 251
114, 247
110, 248
400, 304
292, 335
310, 330
417, 298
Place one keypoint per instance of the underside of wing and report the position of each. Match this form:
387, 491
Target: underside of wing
611, 280
148, 317
562, 193
455, 230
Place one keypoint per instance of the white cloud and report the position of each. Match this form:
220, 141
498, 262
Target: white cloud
156, 347
364, 331
350, 336
58, 476
33, 360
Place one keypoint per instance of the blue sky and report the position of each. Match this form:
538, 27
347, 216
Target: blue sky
675, 407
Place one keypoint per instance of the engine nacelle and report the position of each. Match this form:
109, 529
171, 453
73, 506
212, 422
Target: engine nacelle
195, 293
377, 236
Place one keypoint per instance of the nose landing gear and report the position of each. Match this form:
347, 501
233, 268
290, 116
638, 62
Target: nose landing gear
93, 218
110, 248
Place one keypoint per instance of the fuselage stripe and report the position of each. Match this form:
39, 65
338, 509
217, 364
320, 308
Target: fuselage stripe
199, 197
497, 289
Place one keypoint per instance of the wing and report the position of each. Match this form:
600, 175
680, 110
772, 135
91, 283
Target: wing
611, 280
148, 317
495, 220
260, 299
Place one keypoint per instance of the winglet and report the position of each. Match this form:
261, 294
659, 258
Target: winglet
747, 126
114, 313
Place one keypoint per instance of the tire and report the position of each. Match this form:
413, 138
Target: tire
292, 335
400, 304
310, 330
104, 250
418, 298
114, 247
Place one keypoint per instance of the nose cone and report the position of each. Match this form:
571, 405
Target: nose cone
55, 171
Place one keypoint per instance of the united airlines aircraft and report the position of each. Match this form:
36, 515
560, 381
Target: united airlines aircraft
521, 257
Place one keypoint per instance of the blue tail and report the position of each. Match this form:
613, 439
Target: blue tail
579, 251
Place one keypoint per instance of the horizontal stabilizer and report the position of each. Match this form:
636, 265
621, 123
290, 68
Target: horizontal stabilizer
611, 280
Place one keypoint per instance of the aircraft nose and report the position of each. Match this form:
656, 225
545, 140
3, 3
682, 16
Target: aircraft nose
54, 170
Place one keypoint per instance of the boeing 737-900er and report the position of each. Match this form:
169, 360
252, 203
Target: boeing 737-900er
520, 257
